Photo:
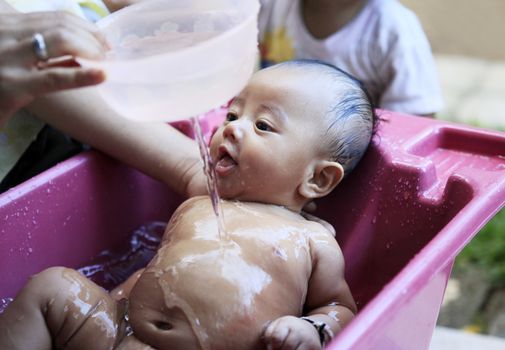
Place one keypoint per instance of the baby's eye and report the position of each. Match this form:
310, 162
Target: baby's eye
261, 125
231, 117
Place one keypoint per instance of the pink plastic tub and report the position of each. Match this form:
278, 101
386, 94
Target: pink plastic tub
420, 194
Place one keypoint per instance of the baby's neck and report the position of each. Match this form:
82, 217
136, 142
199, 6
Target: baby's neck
277, 209
323, 18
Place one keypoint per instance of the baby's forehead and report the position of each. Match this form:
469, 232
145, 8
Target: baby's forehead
295, 80
292, 71
305, 90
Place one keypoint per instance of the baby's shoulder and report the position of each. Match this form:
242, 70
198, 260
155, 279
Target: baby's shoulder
190, 204
194, 200
322, 238
318, 225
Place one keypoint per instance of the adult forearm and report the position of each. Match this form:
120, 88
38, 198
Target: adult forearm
156, 149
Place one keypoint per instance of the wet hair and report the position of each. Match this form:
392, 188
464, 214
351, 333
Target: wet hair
351, 117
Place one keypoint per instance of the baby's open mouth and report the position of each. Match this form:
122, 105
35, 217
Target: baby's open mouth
225, 162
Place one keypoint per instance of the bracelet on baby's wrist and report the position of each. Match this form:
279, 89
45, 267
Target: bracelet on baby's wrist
323, 330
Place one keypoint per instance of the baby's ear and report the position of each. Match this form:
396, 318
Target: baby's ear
324, 177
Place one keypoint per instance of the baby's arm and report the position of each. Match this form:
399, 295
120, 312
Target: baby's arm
329, 304
329, 298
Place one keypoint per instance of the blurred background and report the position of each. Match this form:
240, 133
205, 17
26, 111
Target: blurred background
468, 40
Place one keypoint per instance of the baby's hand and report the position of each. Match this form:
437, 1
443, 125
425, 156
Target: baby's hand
289, 332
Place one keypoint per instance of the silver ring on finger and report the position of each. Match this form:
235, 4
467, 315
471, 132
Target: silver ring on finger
39, 47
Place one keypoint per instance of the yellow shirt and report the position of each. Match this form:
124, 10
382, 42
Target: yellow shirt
90, 9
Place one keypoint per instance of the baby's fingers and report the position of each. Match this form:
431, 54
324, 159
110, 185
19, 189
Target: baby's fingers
275, 335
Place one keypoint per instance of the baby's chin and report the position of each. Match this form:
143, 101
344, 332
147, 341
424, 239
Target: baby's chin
230, 194
237, 193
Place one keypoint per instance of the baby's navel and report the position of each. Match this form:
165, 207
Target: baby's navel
163, 326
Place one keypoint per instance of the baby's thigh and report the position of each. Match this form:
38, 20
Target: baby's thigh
81, 315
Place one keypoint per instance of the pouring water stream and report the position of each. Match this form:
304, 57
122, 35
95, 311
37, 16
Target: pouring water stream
210, 175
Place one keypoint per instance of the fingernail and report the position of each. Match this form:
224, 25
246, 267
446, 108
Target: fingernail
95, 75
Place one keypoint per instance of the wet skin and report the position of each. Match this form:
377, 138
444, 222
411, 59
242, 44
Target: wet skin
219, 294
202, 291
199, 292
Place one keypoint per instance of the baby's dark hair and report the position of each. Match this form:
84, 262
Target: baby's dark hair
351, 119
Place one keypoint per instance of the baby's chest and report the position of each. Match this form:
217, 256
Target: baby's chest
247, 231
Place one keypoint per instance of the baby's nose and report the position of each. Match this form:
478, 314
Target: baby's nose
233, 131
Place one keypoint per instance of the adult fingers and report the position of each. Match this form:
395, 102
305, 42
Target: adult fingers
21, 26
74, 42
19, 86
56, 79
65, 20
58, 43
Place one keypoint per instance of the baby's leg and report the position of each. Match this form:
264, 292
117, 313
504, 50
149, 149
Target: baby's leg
60, 308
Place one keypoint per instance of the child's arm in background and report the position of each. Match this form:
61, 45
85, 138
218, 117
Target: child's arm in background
157, 149
114, 5
329, 303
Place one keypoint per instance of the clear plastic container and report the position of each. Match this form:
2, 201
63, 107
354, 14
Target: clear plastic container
173, 59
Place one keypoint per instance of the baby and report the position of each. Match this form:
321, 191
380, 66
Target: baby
272, 280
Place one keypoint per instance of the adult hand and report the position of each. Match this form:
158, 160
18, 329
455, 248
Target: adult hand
27, 41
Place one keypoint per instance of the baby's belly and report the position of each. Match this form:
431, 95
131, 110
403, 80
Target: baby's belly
214, 296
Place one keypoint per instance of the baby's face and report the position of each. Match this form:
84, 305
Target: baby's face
272, 133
